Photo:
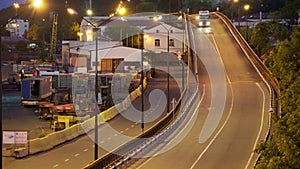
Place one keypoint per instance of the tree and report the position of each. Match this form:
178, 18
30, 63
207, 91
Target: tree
32, 33
267, 35
283, 150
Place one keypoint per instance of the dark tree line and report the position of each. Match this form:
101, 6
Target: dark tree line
283, 149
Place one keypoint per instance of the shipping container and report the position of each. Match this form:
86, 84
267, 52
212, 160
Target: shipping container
36, 89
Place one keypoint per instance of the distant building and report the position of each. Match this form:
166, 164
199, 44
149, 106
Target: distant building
81, 56
155, 38
17, 27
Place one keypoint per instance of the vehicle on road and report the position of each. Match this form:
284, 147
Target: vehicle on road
203, 18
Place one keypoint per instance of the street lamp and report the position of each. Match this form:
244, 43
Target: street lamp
168, 66
2, 26
16, 6
96, 28
232, 8
142, 80
246, 8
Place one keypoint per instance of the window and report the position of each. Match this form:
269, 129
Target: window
171, 31
171, 42
157, 42
157, 31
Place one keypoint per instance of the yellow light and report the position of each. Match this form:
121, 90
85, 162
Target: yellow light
146, 36
37, 3
156, 18
122, 11
247, 7
71, 11
16, 5
235, 1
89, 12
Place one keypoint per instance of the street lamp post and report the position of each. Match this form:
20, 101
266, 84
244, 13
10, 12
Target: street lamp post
233, 3
246, 8
168, 64
96, 28
142, 80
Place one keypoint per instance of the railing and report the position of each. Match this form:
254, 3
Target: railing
260, 67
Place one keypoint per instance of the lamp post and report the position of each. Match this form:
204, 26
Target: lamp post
168, 66
246, 8
96, 28
35, 4
233, 3
142, 80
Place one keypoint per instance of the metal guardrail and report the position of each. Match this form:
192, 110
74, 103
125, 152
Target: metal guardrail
261, 69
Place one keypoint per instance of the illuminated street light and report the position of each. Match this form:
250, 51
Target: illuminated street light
96, 28
37, 3
247, 8
16, 6
122, 11
89, 12
232, 7
168, 66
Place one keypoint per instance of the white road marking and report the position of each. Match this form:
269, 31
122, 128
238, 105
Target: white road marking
56, 165
85, 150
202, 97
261, 125
127, 129
66, 160
77, 154
132, 125
227, 118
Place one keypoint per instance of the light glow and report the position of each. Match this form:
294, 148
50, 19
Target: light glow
37, 3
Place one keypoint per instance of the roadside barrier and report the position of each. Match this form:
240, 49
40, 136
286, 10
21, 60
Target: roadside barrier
54, 139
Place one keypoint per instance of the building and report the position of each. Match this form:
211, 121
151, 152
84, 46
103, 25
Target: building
17, 27
81, 56
155, 32
156, 38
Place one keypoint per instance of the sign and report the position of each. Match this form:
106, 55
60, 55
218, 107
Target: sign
8, 137
21, 137
15, 137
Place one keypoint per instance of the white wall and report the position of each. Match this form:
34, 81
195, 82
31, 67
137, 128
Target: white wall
160, 32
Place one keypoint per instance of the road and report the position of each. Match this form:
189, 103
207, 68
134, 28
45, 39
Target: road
232, 113
79, 152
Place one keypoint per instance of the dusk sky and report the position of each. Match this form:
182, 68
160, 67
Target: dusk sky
7, 3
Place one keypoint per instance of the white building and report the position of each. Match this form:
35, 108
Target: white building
81, 56
17, 27
156, 38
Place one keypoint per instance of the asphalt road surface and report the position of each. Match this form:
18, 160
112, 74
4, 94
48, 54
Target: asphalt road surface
232, 114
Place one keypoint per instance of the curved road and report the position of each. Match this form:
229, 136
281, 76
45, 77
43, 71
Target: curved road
226, 131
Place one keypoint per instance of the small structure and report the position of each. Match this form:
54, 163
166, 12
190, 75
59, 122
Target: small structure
17, 27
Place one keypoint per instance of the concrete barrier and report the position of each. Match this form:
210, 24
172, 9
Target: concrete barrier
53, 139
